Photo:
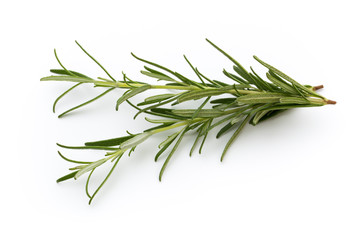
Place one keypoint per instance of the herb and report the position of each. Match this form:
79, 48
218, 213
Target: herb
248, 99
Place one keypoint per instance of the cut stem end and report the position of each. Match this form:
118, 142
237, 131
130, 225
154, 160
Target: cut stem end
318, 87
330, 102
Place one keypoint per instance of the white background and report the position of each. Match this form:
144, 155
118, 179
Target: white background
294, 177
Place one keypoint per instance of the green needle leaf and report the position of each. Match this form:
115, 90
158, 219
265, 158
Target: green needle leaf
205, 132
132, 93
165, 144
172, 152
156, 98
86, 103
243, 73
196, 72
154, 71
153, 64
224, 129
197, 94
106, 178
87, 147
280, 83
201, 113
260, 98
90, 167
233, 137
135, 140
235, 78
73, 161
223, 100
109, 142
66, 177
196, 113
67, 79
63, 94
258, 116
270, 114
197, 138
107, 73
238, 65
69, 73
294, 100
214, 83
157, 76
168, 139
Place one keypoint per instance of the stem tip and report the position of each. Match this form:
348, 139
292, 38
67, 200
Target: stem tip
330, 102
318, 87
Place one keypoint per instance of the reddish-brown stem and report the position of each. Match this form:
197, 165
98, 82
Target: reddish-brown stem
330, 102
318, 87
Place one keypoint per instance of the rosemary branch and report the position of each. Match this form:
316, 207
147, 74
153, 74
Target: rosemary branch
248, 99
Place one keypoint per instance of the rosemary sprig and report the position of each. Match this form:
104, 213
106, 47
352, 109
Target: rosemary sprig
248, 99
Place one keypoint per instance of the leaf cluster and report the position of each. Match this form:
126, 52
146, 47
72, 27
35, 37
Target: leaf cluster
227, 106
